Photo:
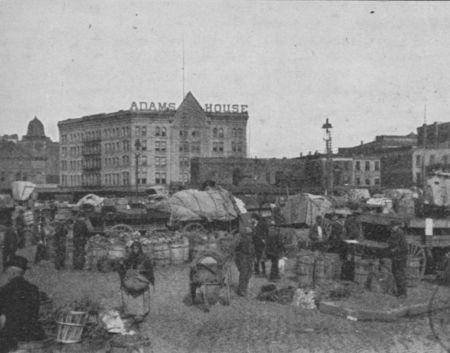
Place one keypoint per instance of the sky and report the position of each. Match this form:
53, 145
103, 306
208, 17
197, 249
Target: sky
369, 67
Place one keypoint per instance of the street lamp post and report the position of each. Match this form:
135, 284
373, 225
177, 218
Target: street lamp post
137, 146
329, 163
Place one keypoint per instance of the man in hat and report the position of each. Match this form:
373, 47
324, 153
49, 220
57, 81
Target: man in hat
260, 233
398, 251
19, 307
318, 235
244, 257
9, 242
80, 236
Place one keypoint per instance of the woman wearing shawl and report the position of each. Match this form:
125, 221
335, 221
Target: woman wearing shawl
136, 274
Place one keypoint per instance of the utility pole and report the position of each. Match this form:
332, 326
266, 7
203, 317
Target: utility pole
329, 162
425, 132
137, 146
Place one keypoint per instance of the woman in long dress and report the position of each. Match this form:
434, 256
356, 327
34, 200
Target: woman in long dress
136, 275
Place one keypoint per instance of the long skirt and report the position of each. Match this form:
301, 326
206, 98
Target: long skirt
136, 305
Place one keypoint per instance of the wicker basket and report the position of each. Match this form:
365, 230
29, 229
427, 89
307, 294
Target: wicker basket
70, 326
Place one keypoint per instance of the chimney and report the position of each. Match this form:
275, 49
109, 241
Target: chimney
362, 142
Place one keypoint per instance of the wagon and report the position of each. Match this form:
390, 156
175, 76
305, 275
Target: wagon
424, 250
210, 272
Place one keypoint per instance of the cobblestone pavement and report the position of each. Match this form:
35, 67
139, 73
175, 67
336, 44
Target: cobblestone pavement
246, 325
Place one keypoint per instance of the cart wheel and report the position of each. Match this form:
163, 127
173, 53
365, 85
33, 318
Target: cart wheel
416, 252
194, 227
121, 228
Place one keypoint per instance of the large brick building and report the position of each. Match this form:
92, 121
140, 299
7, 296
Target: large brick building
142, 147
35, 158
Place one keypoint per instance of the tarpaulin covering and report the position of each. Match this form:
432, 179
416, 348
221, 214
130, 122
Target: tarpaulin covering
359, 194
438, 189
90, 199
304, 208
21, 190
193, 205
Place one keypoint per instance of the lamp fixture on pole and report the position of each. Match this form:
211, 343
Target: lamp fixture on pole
329, 162
137, 146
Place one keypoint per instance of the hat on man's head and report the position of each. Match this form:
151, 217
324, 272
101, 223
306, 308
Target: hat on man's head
18, 261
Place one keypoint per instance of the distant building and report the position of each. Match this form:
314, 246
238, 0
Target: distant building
35, 158
307, 172
144, 147
436, 135
280, 172
425, 160
395, 155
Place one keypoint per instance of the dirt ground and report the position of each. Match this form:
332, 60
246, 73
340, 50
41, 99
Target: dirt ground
247, 325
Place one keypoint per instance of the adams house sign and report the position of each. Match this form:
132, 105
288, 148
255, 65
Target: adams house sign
209, 108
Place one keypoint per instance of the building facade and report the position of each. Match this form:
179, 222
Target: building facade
34, 158
425, 160
436, 135
146, 147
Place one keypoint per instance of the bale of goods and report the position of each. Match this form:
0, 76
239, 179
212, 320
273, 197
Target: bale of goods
70, 326
179, 251
305, 268
117, 252
161, 254
130, 344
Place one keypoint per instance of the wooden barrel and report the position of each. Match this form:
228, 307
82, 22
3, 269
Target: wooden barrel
413, 272
178, 252
161, 254
28, 218
362, 269
305, 268
333, 266
117, 252
319, 270
130, 344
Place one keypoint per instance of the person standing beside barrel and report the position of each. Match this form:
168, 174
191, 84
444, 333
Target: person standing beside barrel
260, 233
318, 235
244, 259
9, 242
398, 251
59, 242
136, 273
80, 236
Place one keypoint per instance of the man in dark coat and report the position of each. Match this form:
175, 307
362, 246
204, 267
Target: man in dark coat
318, 235
9, 242
245, 254
80, 236
20, 228
274, 251
59, 243
19, 308
398, 251
260, 233
335, 241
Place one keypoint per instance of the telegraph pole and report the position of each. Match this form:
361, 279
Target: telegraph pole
329, 163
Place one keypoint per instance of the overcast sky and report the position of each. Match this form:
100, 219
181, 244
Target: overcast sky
367, 66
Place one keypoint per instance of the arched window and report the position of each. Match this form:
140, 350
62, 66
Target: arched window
220, 133
163, 131
157, 131
215, 132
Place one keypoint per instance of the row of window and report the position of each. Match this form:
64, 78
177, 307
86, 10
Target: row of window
367, 165
431, 160
140, 131
5, 177
367, 182
113, 147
